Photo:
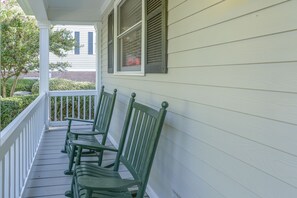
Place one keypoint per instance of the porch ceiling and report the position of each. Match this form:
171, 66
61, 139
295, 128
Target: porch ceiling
65, 11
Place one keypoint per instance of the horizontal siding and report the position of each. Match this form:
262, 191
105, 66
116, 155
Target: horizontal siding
174, 3
269, 77
192, 7
81, 62
240, 52
203, 18
231, 125
270, 105
251, 26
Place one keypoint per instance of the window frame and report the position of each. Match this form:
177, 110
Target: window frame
117, 38
154, 47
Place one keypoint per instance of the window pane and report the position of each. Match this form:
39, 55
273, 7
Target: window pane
130, 50
130, 14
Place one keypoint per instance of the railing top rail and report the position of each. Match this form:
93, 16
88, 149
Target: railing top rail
73, 93
11, 127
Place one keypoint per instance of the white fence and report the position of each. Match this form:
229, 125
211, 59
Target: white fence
19, 142
79, 104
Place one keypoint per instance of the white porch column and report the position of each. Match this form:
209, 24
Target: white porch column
44, 64
98, 56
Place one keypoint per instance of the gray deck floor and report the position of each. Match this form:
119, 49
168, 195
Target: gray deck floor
47, 178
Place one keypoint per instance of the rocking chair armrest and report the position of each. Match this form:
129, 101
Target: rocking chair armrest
92, 145
78, 120
86, 132
106, 183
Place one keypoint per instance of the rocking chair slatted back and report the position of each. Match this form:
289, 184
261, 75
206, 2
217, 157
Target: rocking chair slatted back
104, 113
141, 134
137, 147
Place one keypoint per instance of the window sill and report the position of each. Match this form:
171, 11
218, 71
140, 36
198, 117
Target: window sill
129, 73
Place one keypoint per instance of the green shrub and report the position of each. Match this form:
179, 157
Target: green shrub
11, 107
76, 103
64, 84
22, 85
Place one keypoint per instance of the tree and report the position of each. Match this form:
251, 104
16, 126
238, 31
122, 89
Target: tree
20, 44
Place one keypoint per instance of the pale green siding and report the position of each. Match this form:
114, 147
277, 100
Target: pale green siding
231, 129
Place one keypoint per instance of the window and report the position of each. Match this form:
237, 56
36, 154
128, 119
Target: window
110, 42
90, 43
77, 43
129, 38
140, 46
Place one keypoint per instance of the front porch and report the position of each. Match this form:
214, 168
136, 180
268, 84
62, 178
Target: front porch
231, 84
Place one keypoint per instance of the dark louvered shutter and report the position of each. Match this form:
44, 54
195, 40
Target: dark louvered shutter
90, 42
156, 36
110, 43
77, 43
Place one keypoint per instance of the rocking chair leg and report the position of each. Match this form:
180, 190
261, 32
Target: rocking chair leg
71, 160
66, 138
64, 148
68, 193
63, 151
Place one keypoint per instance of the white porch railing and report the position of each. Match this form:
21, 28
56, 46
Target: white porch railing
19, 142
79, 104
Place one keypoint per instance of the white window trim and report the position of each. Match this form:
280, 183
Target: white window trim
116, 36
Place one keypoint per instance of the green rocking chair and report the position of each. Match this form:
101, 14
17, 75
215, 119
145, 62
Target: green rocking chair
101, 125
137, 147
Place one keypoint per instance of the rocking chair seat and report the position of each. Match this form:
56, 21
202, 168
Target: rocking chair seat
83, 135
94, 171
107, 184
105, 194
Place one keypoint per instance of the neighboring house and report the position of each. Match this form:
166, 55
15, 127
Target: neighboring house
83, 58
231, 127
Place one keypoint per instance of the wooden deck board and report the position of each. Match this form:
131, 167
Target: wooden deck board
45, 181
49, 190
47, 177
